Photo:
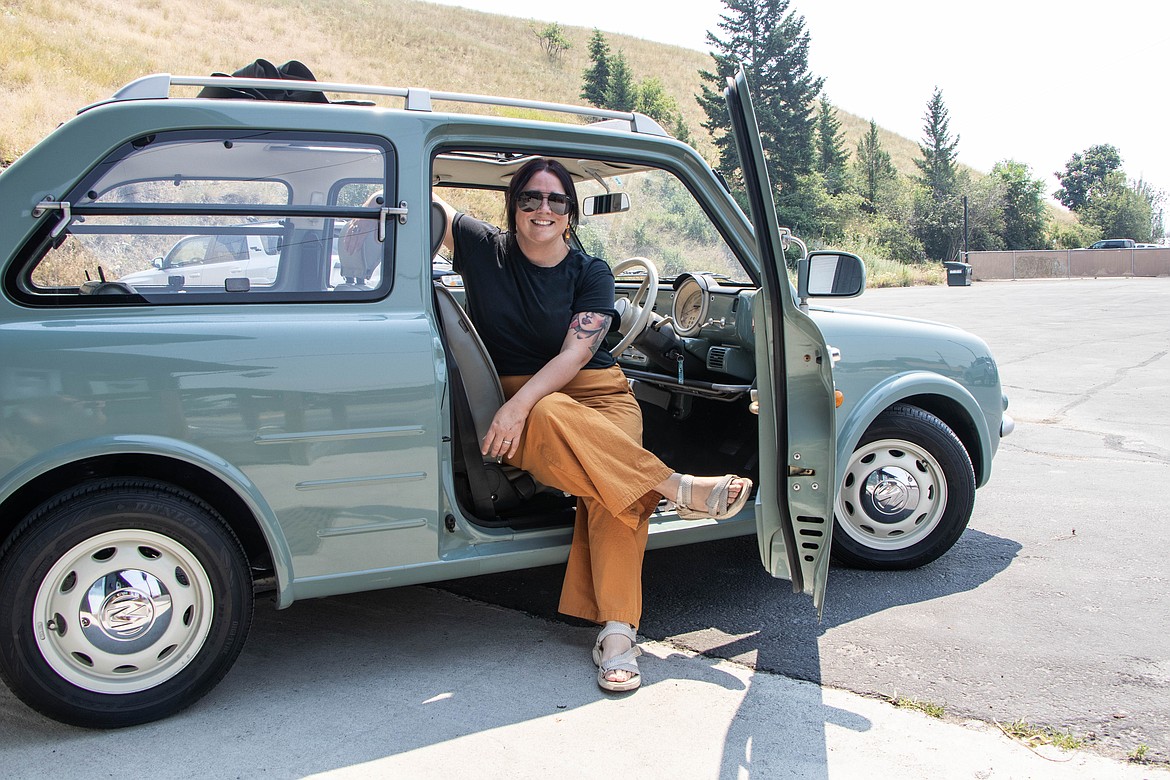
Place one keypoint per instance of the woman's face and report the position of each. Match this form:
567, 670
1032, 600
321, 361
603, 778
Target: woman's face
542, 225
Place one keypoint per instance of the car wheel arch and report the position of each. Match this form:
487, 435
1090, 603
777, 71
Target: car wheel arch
260, 537
944, 398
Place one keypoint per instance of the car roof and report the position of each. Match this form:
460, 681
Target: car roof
483, 169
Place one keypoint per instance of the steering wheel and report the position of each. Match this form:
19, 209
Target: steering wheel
635, 311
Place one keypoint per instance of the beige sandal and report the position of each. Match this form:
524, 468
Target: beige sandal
624, 662
717, 506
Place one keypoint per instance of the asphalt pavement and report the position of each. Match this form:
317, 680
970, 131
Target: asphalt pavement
1058, 588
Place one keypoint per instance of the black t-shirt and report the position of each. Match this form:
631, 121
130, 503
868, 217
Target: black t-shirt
521, 310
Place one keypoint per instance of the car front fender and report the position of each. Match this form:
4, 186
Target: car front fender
933, 393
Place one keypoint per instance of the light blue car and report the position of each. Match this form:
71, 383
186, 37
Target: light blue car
171, 445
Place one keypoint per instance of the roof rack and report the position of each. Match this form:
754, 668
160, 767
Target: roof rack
158, 85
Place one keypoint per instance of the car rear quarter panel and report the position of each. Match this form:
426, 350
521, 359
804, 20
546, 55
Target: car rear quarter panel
321, 418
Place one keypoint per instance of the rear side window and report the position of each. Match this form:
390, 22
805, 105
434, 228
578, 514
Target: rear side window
186, 218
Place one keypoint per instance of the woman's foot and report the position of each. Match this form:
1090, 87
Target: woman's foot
611, 647
615, 652
706, 497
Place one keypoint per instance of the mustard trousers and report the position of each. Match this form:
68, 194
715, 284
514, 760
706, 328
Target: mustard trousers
586, 439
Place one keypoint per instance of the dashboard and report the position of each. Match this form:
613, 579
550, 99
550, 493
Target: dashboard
700, 339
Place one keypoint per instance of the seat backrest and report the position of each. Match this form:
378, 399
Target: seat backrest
480, 381
494, 488
438, 227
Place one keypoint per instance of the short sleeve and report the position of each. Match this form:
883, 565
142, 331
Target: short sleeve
472, 238
595, 291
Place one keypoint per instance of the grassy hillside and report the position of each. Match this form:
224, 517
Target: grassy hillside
58, 57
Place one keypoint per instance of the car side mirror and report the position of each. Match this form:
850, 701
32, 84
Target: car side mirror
830, 275
157, 263
611, 203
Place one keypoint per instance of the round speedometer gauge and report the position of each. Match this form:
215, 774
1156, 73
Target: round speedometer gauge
691, 301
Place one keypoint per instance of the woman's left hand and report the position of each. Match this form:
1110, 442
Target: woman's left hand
503, 437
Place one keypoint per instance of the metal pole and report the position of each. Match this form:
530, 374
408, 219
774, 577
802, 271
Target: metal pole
964, 228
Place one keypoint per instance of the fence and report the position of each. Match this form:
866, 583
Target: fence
1068, 263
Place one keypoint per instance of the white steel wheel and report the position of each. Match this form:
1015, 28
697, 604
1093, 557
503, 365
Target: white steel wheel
125, 601
122, 611
893, 494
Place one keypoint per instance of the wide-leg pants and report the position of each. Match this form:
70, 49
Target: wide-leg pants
586, 439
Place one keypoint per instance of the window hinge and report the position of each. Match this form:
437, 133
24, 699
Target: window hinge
386, 211
64, 206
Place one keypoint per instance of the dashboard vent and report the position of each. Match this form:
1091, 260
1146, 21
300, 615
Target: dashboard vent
717, 359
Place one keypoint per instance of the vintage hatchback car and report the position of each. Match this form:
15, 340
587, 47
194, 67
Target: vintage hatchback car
170, 446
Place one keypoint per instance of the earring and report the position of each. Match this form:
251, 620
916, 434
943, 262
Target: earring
566, 236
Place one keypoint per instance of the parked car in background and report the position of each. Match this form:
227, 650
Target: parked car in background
1114, 243
248, 254
212, 259
171, 446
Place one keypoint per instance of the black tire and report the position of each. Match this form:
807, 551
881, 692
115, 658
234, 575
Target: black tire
906, 495
121, 602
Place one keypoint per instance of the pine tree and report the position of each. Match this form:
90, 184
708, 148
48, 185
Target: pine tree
595, 79
772, 45
937, 165
875, 171
938, 209
831, 157
621, 93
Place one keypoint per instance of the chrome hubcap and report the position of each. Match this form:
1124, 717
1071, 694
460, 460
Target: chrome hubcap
125, 610
890, 494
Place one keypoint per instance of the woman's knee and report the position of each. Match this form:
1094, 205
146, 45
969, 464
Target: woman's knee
549, 408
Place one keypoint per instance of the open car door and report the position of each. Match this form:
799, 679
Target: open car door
794, 376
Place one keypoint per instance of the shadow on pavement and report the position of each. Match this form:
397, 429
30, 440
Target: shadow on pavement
716, 599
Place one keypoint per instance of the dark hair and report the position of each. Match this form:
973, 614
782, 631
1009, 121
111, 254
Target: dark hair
520, 182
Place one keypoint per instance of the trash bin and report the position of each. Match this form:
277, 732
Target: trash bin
958, 274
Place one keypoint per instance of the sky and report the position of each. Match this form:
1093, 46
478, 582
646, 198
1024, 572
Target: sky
1031, 80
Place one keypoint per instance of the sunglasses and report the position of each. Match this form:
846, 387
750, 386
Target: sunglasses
530, 200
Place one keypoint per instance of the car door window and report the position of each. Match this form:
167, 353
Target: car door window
663, 222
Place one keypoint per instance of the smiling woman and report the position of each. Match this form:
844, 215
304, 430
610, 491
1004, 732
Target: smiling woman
570, 418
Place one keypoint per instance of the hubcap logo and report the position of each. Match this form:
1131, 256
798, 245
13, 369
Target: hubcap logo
890, 496
127, 613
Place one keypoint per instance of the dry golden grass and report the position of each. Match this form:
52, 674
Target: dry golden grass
58, 57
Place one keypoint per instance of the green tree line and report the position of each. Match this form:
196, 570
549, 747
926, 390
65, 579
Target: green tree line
856, 198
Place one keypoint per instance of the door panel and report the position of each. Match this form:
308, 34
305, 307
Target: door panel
795, 392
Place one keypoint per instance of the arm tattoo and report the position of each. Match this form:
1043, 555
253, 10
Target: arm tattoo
590, 326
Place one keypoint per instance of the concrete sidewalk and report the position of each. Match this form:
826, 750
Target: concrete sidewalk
418, 683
